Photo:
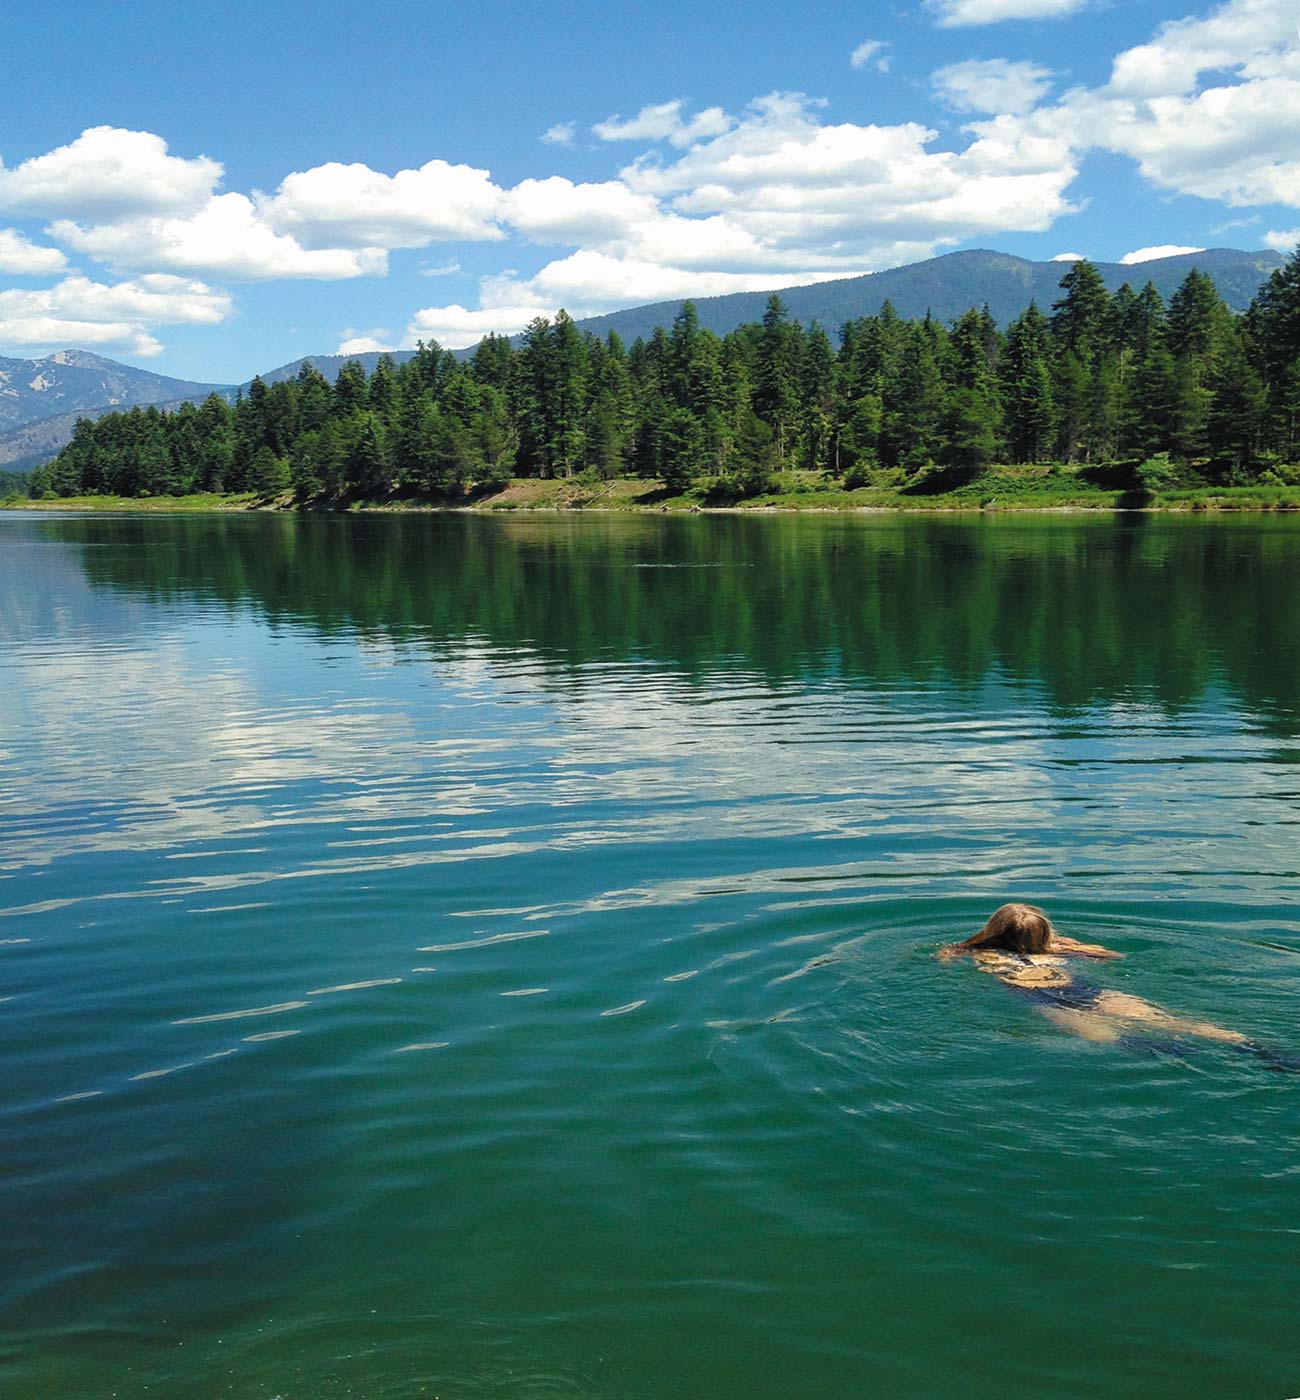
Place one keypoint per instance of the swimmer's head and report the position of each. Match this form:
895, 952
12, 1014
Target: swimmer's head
1019, 928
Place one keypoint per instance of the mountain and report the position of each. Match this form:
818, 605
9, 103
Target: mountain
946, 287
75, 381
40, 440
41, 400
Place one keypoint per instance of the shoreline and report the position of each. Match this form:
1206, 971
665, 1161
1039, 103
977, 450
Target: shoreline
565, 498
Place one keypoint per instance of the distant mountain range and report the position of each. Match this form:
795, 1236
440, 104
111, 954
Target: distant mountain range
41, 400
948, 286
945, 287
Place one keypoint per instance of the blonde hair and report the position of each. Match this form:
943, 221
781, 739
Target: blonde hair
1019, 928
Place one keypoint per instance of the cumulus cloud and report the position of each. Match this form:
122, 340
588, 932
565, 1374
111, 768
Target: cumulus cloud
80, 311
991, 85
1068, 257
226, 240
556, 210
1162, 250
663, 121
954, 13
23, 258
561, 134
777, 199
35, 334
1259, 36
585, 283
352, 206
108, 172
1230, 140
849, 191
870, 54
588, 282
156, 298
364, 342
1283, 240
456, 327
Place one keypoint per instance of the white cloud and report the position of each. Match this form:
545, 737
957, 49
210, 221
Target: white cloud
1163, 250
442, 269
663, 121
846, 192
561, 134
21, 257
79, 311
954, 13
870, 53
777, 199
1252, 34
157, 299
364, 342
587, 283
1231, 140
108, 172
224, 240
455, 327
1232, 143
991, 85
556, 210
37, 334
1283, 240
352, 206
1068, 257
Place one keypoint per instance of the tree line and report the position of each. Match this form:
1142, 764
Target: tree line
1102, 378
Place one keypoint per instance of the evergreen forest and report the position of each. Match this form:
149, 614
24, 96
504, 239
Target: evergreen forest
1121, 382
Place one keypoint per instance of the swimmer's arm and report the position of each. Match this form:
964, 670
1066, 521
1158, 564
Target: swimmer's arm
1061, 944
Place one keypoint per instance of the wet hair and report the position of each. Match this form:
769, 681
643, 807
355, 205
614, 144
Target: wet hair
1018, 928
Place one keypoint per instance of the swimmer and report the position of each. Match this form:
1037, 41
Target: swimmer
1020, 947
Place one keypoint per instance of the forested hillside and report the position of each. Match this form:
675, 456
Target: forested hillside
1101, 378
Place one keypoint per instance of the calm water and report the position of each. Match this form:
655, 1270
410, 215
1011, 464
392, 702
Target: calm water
476, 957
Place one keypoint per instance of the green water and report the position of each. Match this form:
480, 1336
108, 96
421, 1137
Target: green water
476, 957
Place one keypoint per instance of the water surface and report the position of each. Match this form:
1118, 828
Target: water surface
475, 957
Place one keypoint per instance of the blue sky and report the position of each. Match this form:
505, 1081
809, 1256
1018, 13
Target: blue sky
214, 190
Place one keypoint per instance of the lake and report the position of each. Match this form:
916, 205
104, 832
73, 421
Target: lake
472, 956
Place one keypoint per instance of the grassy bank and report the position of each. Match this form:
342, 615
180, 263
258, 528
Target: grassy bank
999, 488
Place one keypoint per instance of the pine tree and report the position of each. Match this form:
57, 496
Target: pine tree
313, 393
493, 362
1081, 318
568, 407
368, 466
1152, 402
351, 392
269, 474
1198, 322
1027, 388
1238, 409
971, 414
381, 393
776, 376
915, 411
